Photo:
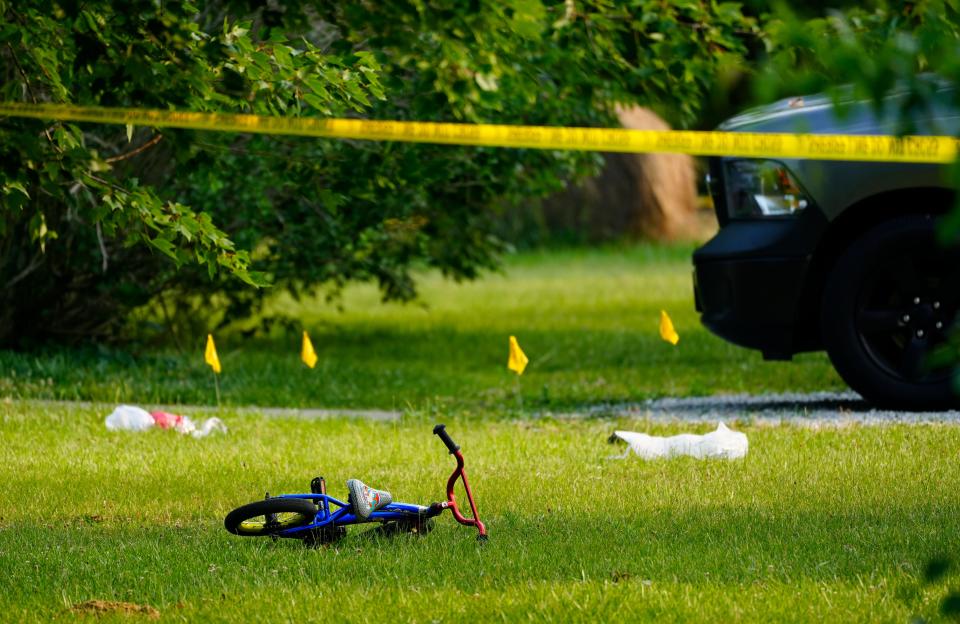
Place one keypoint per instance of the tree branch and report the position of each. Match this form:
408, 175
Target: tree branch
134, 152
103, 247
33, 266
26, 82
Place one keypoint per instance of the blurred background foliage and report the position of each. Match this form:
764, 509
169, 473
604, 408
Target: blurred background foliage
98, 221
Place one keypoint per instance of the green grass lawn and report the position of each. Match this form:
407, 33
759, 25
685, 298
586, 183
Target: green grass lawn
587, 319
824, 525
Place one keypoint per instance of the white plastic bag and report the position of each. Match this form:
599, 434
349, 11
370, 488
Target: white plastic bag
129, 418
186, 426
722, 443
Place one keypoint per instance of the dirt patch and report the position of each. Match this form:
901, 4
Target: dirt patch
103, 607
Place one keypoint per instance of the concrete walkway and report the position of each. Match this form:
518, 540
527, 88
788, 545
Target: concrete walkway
272, 412
815, 408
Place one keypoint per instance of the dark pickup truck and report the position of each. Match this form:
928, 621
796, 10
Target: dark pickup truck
837, 256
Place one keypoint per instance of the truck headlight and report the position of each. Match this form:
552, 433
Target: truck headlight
763, 188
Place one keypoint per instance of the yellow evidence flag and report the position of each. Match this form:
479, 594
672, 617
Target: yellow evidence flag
667, 332
307, 354
517, 361
210, 355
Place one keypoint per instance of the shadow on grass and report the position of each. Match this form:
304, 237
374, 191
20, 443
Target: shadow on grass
745, 404
372, 367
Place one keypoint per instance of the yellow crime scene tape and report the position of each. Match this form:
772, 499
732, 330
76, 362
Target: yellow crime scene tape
914, 149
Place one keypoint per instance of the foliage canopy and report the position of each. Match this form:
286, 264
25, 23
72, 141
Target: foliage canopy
99, 220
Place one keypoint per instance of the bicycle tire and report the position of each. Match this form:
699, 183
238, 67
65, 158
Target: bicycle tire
296, 512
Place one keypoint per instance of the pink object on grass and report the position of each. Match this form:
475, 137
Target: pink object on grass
166, 420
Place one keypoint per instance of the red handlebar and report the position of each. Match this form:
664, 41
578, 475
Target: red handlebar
459, 473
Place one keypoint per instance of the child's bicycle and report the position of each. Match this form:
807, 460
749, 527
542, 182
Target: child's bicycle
309, 516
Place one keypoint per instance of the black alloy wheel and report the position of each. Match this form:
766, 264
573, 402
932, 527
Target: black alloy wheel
890, 301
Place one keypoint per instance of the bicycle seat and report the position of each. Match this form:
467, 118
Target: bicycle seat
365, 500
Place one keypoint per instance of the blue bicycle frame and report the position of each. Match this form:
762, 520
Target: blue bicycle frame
344, 516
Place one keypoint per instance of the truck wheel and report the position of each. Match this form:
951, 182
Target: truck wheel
888, 302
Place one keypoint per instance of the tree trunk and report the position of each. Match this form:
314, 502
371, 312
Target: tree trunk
635, 196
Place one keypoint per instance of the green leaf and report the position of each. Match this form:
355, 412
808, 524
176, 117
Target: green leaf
15, 186
165, 246
316, 102
317, 86
281, 54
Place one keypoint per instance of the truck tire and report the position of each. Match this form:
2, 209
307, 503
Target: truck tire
890, 300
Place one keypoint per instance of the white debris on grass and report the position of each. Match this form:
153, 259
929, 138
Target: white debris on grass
210, 425
129, 418
133, 418
723, 443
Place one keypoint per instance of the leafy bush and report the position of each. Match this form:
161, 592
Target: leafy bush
89, 212
98, 220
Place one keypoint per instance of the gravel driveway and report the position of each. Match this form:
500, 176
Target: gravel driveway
816, 408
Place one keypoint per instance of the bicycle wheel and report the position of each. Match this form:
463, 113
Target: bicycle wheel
270, 516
